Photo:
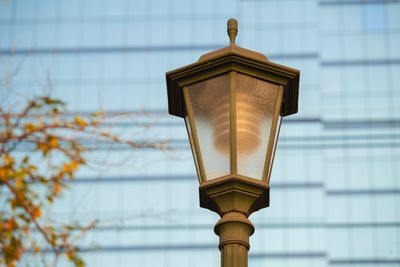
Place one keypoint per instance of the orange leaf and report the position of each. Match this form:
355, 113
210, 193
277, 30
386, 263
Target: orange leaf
56, 188
36, 249
11, 224
37, 212
25, 229
44, 147
4, 173
13, 203
8, 160
52, 141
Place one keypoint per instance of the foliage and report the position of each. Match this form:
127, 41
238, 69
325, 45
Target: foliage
42, 132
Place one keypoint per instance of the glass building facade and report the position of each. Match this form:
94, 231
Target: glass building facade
335, 187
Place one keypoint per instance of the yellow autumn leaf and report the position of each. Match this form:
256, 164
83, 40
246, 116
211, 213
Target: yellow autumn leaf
52, 141
70, 167
80, 122
44, 147
19, 183
29, 127
8, 160
69, 254
3, 173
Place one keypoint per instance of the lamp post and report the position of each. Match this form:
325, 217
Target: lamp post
233, 101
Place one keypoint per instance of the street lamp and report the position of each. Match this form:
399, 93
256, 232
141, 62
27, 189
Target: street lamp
233, 101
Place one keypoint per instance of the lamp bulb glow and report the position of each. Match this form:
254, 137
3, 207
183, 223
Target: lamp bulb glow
247, 125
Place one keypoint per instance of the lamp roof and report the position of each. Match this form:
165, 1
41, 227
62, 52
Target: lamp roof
232, 58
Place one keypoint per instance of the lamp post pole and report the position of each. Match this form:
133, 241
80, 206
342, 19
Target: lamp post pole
233, 100
234, 230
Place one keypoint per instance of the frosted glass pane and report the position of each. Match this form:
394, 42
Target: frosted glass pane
210, 105
276, 136
194, 152
255, 106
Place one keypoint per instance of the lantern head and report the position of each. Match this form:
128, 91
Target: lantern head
233, 101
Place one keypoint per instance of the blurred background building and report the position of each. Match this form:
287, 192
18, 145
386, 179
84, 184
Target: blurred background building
336, 182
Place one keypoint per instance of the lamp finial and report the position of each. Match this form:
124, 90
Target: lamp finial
232, 28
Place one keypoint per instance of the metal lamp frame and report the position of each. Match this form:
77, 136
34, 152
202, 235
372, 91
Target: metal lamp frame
234, 197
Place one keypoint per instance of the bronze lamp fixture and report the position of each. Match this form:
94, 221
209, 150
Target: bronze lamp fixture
233, 101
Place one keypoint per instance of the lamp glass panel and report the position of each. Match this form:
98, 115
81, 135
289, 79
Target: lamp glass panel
209, 100
255, 105
275, 142
193, 147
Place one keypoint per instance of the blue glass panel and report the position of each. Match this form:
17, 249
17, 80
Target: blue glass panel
374, 18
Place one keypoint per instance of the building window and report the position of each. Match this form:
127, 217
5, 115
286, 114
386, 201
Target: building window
374, 17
